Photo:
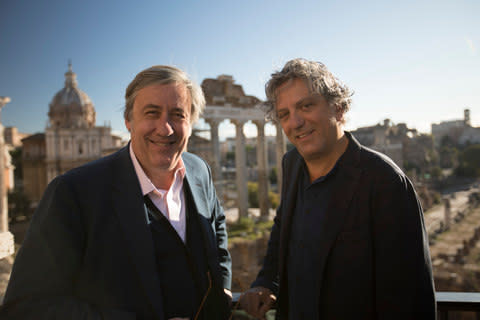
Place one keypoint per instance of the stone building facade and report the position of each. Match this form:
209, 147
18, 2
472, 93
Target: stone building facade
457, 132
70, 139
402, 144
386, 138
13, 138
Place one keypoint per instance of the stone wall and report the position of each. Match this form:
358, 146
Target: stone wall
247, 258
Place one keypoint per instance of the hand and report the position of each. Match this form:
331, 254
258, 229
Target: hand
257, 301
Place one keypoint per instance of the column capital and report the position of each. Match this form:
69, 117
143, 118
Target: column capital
238, 122
259, 123
213, 122
4, 101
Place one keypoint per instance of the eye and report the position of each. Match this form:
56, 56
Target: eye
307, 106
179, 115
151, 112
282, 115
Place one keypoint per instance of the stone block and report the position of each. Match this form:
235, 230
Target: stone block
7, 246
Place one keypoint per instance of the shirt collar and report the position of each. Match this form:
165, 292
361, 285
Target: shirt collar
145, 183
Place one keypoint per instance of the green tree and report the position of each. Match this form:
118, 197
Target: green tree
273, 176
448, 156
274, 199
230, 156
253, 201
436, 173
253, 194
18, 204
16, 155
469, 161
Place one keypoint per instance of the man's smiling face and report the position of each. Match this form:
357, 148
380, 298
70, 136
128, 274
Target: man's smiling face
310, 124
160, 126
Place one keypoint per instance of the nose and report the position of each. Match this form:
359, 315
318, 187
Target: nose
164, 127
295, 120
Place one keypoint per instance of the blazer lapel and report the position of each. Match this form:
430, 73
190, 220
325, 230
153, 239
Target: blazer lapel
345, 184
196, 188
130, 209
291, 176
194, 184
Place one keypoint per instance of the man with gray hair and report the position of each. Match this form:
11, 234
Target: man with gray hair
139, 234
349, 239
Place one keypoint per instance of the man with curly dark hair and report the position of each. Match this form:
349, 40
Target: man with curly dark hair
349, 239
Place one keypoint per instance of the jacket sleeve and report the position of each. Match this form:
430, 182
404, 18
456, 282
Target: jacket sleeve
403, 273
46, 267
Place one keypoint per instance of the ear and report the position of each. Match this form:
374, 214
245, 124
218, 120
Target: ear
339, 113
128, 125
339, 116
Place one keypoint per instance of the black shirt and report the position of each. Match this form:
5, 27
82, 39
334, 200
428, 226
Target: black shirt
303, 263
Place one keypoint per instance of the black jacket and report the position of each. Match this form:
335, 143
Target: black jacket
374, 256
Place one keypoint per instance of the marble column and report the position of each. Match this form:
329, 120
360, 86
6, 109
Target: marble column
216, 169
241, 169
6, 238
262, 170
281, 148
447, 213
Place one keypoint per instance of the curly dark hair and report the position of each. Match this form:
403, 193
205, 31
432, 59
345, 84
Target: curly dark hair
319, 80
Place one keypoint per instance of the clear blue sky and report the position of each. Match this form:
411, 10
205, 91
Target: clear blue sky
411, 61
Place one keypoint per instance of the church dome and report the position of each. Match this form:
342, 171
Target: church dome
71, 107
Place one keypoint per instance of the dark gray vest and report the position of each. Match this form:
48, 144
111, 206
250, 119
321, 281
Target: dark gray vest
182, 267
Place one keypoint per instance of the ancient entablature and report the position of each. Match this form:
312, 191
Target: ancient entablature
226, 100
223, 92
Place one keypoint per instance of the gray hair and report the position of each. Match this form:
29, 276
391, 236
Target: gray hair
317, 78
164, 75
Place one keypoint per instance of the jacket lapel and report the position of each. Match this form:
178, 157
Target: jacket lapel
194, 184
345, 184
197, 187
130, 209
291, 172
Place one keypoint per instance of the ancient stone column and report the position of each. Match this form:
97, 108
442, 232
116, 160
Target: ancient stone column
448, 213
6, 238
262, 170
281, 148
241, 169
217, 171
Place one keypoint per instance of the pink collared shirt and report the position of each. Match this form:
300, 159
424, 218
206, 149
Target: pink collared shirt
170, 202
